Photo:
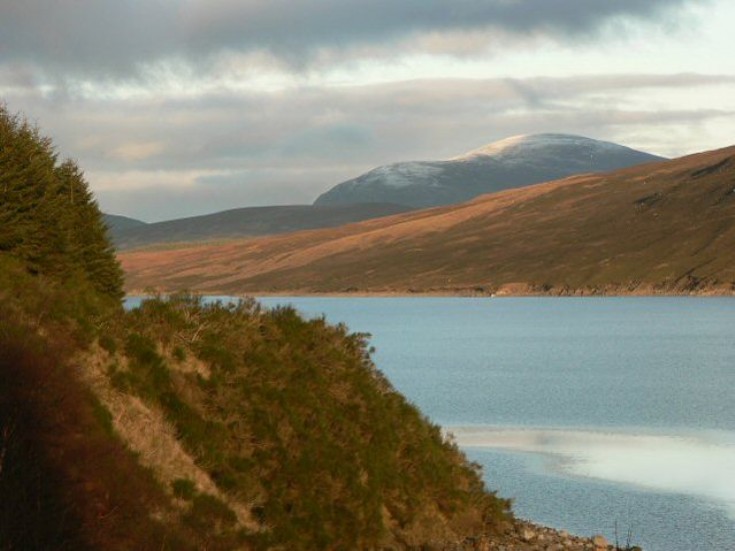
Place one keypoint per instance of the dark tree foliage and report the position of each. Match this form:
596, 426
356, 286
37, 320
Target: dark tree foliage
48, 217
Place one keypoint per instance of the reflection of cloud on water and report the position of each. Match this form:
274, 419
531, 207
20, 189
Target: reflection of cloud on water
700, 465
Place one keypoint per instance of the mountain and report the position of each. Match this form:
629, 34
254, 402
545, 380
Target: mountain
246, 222
667, 227
116, 223
511, 163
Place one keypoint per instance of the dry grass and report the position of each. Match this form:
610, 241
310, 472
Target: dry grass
145, 430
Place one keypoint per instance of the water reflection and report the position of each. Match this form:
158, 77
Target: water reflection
696, 464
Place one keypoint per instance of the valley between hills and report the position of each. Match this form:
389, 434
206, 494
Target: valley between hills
658, 228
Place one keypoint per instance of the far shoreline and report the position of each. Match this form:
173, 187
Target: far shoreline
647, 292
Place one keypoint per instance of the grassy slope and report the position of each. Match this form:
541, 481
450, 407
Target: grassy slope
181, 426
663, 227
298, 430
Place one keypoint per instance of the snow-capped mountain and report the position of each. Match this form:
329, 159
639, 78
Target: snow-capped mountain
510, 163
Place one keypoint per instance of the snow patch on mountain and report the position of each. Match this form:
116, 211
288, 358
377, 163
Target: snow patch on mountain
526, 146
401, 174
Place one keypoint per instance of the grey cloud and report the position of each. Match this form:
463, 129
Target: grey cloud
114, 38
295, 25
539, 87
332, 139
104, 37
217, 193
317, 126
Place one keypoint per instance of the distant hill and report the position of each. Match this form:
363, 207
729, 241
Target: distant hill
666, 227
117, 223
246, 222
514, 162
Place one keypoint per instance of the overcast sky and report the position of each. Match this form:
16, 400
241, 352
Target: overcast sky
183, 107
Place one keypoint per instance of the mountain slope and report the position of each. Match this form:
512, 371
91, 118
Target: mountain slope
116, 223
514, 162
663, 227
247, 222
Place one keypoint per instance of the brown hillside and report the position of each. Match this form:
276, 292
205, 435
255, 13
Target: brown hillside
663, 227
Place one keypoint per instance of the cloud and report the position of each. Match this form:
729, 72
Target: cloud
99, 36
174, 195
157, 156
106, 38
242, 102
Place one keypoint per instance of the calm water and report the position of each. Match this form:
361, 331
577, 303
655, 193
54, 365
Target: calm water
586, 411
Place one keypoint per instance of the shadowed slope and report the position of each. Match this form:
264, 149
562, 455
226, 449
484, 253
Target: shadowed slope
116, 223
249, 222
664, 227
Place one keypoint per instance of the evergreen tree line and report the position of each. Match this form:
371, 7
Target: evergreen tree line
48, 216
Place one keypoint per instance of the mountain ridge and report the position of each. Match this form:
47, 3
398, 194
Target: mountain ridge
116, 223
667, 227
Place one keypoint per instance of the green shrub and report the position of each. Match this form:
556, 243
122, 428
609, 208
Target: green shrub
297, 419
184, 488
210, 514
179, 353
107, 343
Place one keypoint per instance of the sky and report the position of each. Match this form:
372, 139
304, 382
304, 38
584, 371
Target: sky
182, 107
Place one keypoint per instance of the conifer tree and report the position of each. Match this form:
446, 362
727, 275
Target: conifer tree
48, 217
26, 173
86, 232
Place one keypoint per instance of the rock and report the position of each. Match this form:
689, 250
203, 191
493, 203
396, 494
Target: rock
526, 533
505, 527
600, 542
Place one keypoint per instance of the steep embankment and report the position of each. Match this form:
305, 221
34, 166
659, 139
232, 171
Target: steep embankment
185, 426
667, 227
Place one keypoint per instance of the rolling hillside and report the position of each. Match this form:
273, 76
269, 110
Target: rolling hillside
247, 222
116, 223
511, 163
667, 227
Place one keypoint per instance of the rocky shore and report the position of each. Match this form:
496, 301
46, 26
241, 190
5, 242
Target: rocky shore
522, 535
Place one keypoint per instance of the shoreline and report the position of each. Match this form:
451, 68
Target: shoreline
525, 535
458, 293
